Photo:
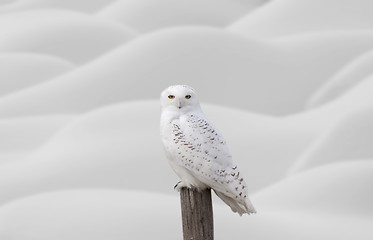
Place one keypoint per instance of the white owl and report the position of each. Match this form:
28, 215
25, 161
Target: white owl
197, 151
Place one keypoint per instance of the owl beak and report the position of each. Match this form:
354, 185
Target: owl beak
179, 104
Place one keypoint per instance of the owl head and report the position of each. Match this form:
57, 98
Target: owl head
180, 98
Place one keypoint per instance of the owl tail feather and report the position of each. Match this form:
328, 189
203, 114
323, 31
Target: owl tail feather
236, 206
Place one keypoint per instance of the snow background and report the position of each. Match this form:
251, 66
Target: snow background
80, 154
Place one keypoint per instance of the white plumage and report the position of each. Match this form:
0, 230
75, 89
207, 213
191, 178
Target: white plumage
197, 151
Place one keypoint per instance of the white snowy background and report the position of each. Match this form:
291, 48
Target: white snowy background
288, 82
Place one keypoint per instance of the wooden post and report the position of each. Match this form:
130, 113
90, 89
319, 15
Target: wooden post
196, 211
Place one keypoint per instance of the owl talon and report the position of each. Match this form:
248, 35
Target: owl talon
176, 184
179, 185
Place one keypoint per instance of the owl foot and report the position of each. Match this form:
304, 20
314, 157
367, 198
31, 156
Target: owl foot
179, 186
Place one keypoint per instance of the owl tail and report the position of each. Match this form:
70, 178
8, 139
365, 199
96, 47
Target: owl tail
236, 206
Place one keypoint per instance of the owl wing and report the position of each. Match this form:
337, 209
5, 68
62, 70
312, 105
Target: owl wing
204, 152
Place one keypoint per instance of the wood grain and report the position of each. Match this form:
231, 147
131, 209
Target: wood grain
197, 214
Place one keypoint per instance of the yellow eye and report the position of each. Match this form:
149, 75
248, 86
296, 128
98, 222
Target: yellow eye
171, 96
188, 96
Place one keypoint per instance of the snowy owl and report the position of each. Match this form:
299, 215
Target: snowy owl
197, 151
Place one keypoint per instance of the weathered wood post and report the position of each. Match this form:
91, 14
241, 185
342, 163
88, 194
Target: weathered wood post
197, 216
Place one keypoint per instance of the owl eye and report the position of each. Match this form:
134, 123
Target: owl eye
171, 96
188, 96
